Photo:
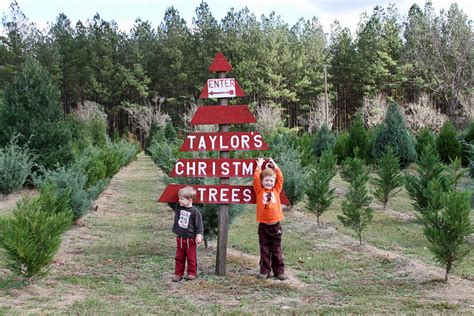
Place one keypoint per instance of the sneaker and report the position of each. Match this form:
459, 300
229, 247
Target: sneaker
262, 276
190, 277
176, 278
281, 277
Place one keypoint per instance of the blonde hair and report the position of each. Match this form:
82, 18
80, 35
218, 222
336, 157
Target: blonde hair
187, 193
267, 172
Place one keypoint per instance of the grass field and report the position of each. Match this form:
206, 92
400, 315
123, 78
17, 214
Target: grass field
120, 260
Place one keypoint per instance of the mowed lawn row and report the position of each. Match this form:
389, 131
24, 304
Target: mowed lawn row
122, 257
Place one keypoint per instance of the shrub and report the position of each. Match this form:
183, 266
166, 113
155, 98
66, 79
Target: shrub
90, 164
324, 140
71, 184
32, 236
170, 132
425, 138
163, 155
15, 166
394, 133
156, 134
285, 152
447, 143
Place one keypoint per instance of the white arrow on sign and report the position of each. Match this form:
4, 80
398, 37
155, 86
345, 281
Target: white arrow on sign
221, 87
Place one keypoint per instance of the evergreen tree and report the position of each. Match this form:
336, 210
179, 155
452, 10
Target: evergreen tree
425, 138
389, 178
351, 167
356, 213
31, 108
357, 141
324, 140
467, 142
448, 227
447, 143
394, 133
428, 168
341, 147
318, 189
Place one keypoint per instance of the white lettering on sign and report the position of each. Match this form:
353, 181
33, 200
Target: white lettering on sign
224, 195
221, 88
214, 168
221, 142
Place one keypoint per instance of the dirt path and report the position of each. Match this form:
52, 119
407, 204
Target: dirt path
8, 202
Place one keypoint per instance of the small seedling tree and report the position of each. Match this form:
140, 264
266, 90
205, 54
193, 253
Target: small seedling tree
318, 188
32, 236
389, 180
446, 225
356, 213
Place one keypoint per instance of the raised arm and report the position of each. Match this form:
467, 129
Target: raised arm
279, 176
257, 186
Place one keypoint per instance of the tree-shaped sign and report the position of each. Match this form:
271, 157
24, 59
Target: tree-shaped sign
223, 141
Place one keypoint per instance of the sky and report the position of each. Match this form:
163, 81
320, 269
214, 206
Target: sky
125, 12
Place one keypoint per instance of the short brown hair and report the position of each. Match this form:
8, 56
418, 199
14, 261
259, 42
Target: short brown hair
187, 193
267, 172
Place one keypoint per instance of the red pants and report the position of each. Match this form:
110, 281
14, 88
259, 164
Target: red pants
185, 251
271, 257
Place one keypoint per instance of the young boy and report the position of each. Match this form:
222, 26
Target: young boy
189, 230
267, 185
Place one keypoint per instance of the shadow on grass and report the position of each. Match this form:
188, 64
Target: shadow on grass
12, 282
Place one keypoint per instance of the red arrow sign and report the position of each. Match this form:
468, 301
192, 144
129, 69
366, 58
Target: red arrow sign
221, 92
222, 167
216, 194
223, 114
224, 141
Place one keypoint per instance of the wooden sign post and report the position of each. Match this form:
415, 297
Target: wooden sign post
223, 141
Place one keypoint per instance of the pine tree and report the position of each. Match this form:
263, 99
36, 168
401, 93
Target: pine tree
428, 168
318, 189
425, 137
356, 213
389, 178
446, 225
393, 132
447, 143
324, 140
351, 167
357, 141
31, 108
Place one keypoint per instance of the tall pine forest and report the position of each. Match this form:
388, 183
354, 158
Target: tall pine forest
403, 56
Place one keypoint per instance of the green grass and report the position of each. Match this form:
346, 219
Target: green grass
121, 263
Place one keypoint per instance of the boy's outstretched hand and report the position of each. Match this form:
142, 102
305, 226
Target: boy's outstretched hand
260, 162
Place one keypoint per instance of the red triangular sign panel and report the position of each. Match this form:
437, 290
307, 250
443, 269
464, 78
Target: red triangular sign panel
220, 64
